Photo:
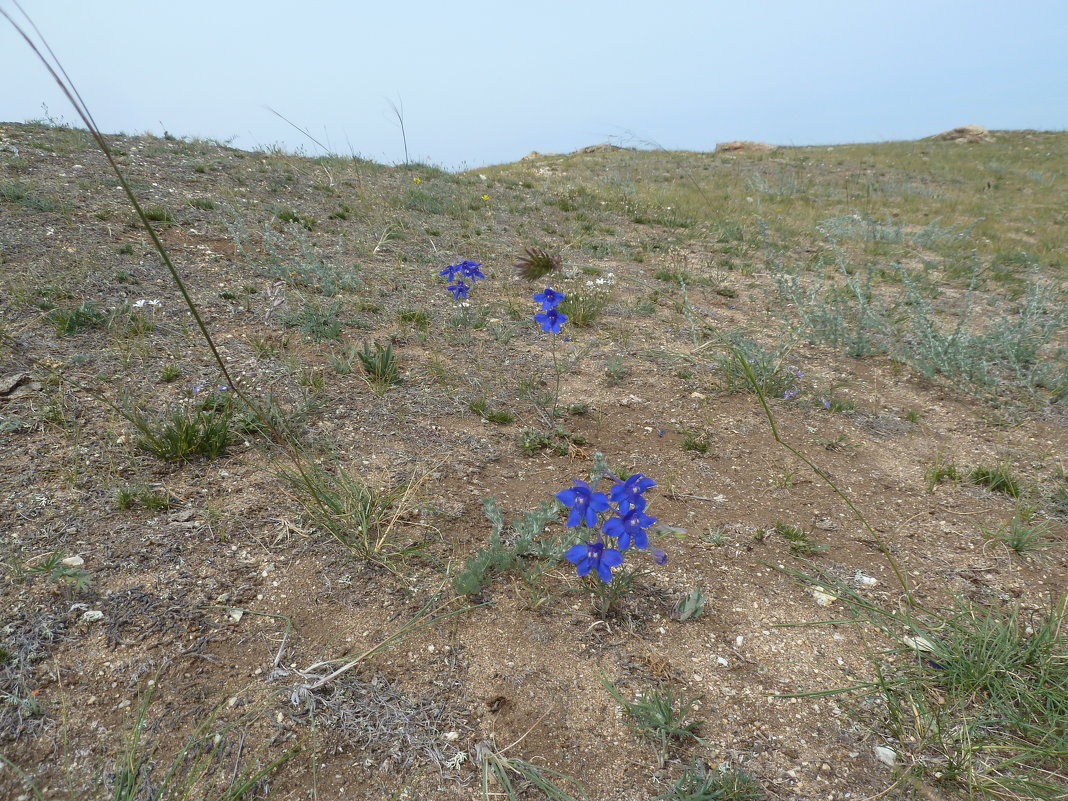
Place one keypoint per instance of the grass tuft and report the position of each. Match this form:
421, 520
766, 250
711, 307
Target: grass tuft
364, 518
698, 783
997, 478
660, 716
380, 365
196, 427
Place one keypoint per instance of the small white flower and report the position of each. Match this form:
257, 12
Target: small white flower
140, 303
600, 281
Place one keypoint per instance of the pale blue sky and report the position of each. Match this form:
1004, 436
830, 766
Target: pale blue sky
487, 82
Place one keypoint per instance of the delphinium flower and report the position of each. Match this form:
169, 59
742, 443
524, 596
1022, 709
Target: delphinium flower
549, 299
470, 269
588, 556
456, 274
459, 289
620, 527
551, 319
628, 494
584, 502
629, 528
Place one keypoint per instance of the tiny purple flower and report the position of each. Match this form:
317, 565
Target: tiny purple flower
659, 556
551, 320
826, 404
584, 503
587, 556
630, 526
549, 299
459, 289
790, 394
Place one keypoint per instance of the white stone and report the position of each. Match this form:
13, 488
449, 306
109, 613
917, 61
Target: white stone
885, 755
823, 598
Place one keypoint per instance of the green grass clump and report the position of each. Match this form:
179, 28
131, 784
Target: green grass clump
480, 406
660, 716
941, 470
673, 277
159, 214
196, 427
290, 216
129, 496
768, 365
71, 321
417, 318
695, 443
1023, 535
362, 517
56, 569
273, 420
997, 478
698, 783
380, 365
799, 539
984, 704
500, 768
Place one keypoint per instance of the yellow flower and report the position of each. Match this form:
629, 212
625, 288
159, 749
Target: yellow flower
485, 197
417, 179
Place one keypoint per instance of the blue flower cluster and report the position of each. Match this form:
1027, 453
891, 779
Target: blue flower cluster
550, 318
625, 526
465, 269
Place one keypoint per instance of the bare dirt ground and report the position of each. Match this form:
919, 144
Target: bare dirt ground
218, 602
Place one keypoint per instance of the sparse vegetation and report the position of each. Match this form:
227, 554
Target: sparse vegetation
997, 478
870, 281
661, 716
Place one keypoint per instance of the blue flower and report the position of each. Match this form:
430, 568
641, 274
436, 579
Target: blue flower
470, 269
459, 289
450, 271
630, 526
549, 299
588, 556
628, 494
584, 503
551, 320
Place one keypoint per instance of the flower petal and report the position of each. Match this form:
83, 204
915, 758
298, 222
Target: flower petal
577, 553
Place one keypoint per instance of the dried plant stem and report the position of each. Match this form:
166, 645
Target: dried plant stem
755, 385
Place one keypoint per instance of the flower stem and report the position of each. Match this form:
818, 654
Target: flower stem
556, 395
